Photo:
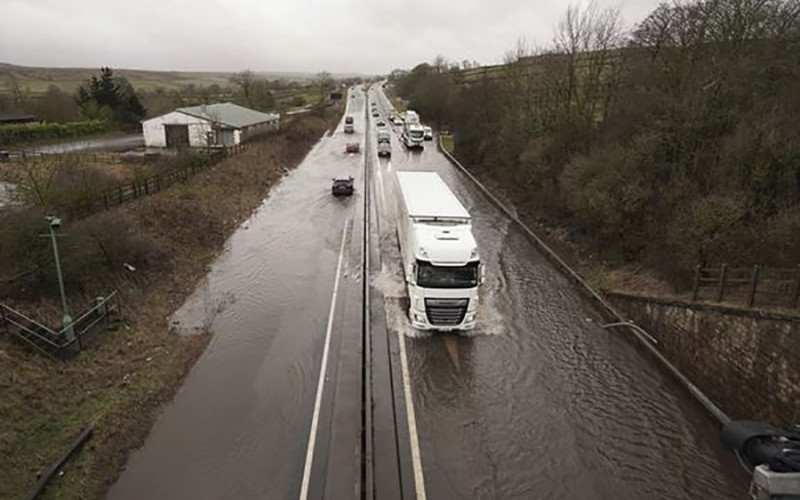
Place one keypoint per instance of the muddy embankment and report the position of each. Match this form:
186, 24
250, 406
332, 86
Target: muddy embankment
119, 383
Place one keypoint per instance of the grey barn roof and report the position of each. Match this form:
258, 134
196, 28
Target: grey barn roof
229, 114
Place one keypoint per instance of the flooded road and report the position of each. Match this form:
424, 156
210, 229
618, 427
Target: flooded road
284, 292
8, 196
539, 401
123, 143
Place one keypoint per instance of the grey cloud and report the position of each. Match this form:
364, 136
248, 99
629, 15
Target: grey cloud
366, 36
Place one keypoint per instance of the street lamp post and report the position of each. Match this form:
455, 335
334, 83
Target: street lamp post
66, 320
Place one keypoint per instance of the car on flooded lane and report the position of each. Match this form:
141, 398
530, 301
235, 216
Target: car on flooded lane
384, 149
352, 147
342, 186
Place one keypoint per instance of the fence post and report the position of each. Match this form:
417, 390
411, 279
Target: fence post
796, 301
721, 290
751, 301
696, 288
119, 192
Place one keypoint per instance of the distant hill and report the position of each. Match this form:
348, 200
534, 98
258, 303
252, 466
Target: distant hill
36, 80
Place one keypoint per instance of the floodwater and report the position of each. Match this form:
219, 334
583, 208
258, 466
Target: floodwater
539, 401
7, 195
123, 143
239, 426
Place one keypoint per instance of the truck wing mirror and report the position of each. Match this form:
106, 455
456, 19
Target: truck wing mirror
482, 273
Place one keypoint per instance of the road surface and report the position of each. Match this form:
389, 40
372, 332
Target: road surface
285, 292
538, 402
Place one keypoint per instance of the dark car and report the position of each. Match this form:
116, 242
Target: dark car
352, 147
349, 119
381, 123
375, 114
342, 186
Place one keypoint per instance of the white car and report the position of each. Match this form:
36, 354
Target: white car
397, 121
428, 133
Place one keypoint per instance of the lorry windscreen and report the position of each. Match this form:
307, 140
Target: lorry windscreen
416, 134
430, 276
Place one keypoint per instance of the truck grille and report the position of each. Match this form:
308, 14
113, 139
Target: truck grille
446, 312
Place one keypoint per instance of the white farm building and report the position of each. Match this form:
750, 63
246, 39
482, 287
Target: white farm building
207, 125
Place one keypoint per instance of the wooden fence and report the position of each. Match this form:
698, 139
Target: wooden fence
763, 286
76, 156
131, 190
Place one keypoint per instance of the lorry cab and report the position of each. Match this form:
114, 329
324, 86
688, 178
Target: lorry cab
413, 135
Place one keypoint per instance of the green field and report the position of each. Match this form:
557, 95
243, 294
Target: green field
36, 80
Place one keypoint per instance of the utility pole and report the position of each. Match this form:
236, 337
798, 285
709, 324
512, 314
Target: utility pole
66, 320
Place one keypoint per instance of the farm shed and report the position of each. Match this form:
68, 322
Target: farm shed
207, 125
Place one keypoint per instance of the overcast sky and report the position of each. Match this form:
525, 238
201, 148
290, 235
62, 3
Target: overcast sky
363, 36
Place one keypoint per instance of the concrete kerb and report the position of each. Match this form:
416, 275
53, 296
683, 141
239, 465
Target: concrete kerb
586, 289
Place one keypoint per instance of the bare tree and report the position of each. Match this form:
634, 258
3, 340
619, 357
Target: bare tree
254, 90
324, 82
586, 42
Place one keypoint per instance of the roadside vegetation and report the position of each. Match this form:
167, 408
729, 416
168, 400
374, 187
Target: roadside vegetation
31, 132
167, 239
657, 149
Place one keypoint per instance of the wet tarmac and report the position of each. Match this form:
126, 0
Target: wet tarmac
539, 401
239, 426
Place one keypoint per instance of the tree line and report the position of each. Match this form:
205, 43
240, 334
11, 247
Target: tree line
672, 144
111, 98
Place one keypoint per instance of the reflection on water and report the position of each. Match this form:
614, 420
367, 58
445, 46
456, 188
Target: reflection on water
238, 427
8, 194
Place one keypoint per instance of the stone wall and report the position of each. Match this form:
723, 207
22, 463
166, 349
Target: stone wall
747, 361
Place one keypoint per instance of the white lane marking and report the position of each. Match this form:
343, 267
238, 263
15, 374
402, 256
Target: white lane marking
416, 460
312, 437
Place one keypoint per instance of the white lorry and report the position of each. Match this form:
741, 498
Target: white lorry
413, 135
441, 264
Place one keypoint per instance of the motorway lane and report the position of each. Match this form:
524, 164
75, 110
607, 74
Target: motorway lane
239, 427
539, 401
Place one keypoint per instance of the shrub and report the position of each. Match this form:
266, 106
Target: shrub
28, 132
